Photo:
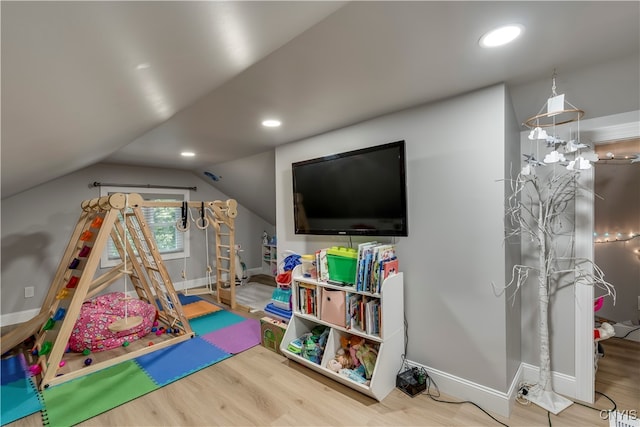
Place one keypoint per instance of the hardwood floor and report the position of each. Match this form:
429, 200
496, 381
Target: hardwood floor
261, 388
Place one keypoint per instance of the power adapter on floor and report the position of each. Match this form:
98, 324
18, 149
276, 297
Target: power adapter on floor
412, 381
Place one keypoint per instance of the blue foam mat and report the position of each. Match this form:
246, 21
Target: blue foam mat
175, 362
17, 400
184, 300
12, 369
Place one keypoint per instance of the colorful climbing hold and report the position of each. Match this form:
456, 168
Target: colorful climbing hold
45, 348
88, 361
59, 314
86, 351
49, 325
125, 344
35, 369
73, 281
84, 251
62, 294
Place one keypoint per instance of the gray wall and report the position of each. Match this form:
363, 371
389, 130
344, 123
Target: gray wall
456, 156
37, 225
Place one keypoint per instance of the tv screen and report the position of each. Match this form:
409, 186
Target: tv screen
361, 192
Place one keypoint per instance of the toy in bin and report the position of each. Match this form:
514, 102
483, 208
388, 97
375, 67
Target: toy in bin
295, 346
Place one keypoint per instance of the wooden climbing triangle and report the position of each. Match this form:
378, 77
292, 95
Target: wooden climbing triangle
118, 217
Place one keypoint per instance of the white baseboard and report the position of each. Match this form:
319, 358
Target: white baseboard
22, 316
493, 400
487, 398
18, 317
562, 384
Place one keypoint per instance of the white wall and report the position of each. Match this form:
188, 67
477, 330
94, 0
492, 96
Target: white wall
455, 161
37, 225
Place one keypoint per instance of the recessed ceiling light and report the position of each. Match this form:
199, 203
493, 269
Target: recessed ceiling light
501, 36
271, 123
187, 154
143, 66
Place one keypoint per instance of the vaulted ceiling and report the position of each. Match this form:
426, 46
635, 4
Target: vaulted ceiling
139, 82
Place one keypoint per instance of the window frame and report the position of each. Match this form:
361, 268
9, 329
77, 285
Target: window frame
181, 195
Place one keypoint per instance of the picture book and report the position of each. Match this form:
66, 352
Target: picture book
322, 265
363, 249
380, 254
388, 267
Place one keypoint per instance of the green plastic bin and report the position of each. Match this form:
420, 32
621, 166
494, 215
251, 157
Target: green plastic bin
342, 264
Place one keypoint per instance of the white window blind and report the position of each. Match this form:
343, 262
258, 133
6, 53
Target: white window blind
170, 242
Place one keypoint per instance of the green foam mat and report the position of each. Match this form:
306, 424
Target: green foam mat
83, 398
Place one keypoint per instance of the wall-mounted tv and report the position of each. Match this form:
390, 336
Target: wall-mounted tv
361, 192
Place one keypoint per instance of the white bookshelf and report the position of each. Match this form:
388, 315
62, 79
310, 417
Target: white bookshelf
390, 339
270, 259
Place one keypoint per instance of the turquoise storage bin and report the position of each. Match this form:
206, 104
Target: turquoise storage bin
281, 298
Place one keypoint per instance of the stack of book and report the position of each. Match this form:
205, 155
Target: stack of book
376, 262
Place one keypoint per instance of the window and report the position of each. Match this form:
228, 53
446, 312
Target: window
171, 243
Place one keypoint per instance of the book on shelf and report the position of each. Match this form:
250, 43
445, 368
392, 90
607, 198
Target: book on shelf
370, 267
307, 299
363, 250
387, 268
382, 253
353, 310
322, 265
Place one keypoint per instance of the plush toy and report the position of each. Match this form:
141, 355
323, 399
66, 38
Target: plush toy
334, 365
603, 332
344, 359
367, 356
351, 344
353, 375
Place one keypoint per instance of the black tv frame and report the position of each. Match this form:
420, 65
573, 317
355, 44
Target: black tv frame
343, 231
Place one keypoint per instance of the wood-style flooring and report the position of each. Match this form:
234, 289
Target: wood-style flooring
261, 388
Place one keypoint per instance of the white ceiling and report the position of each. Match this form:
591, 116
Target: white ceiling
72, 94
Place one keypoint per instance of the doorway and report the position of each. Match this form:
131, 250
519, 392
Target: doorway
617, 232
600, 131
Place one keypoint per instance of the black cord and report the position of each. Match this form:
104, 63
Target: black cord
627, 334
598, 409
430, 381
615, 406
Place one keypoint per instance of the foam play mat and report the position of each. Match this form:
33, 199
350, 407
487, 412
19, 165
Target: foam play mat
219, 335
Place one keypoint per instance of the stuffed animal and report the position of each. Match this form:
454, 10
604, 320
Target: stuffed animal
603, 332
344, 359
367, 356
334, 365
352, 344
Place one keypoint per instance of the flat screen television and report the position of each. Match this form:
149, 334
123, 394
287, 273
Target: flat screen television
361, 192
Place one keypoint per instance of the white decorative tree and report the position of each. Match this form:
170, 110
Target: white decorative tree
541, 209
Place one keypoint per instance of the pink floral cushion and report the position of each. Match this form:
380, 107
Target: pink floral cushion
91, 330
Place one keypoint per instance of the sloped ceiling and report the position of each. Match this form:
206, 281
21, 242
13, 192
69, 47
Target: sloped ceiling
138, 82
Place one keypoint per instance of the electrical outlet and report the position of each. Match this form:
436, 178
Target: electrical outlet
28, 292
